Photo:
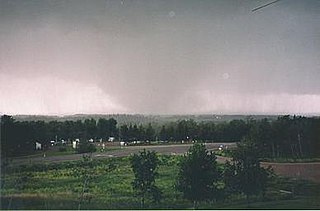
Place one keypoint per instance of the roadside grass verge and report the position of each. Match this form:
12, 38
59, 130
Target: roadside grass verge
291, 160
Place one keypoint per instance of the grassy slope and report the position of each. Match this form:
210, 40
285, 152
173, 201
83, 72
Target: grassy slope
56, 187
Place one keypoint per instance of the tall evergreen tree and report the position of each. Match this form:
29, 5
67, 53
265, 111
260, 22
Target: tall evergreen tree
198, 175
245, 174
144, 166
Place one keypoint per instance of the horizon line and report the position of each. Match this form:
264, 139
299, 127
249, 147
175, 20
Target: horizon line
169, 114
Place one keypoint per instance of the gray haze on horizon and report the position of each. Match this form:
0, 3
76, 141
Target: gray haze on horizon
159, 57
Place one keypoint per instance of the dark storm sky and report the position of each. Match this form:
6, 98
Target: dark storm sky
159, 57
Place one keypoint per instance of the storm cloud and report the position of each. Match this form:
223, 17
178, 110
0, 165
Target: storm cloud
159, 57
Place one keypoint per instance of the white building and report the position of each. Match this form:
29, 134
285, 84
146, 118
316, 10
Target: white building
75, 143
38, 146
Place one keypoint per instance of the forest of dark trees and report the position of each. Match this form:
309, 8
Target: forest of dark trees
287, 136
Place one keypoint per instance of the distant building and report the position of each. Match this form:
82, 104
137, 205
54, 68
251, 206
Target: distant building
122, 143
75, 143
38, 146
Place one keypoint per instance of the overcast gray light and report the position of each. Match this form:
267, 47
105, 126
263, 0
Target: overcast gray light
159, 57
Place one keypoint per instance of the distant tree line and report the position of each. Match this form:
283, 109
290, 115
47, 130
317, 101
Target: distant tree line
287, 136
142, 119
19, 137
291, 137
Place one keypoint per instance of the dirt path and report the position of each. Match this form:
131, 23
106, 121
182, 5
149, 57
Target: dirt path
308, 171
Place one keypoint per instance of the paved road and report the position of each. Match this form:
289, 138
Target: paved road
123, 152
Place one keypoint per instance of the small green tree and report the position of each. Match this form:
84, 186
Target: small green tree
85, 172
198, 175
244, 174
144, 166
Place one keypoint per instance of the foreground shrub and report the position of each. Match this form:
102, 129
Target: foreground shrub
86, 147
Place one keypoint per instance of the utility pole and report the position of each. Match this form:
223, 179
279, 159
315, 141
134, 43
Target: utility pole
300, 147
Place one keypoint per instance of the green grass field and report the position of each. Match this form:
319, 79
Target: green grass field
56, 186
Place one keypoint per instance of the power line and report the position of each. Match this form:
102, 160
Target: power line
265, 5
